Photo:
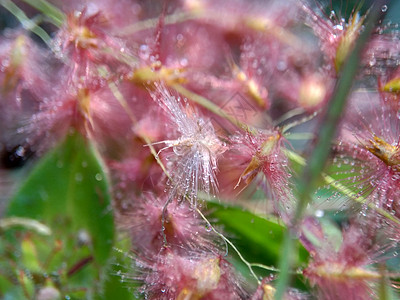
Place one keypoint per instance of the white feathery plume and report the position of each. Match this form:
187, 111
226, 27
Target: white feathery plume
193, 162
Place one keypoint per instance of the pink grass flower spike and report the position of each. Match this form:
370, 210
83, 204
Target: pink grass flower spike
192, 276
176, 226
369, 144
342, 269
262, 153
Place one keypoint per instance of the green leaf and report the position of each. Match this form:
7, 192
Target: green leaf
259, 240
69, 188
118, 284
6, 286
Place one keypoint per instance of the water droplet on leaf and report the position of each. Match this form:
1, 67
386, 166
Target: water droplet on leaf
78, 177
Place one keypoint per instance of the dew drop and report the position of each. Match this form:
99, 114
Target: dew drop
338, 27
184, 62
281, 66
144, 52
99, 177
384, 8
319, 213
78, 177
372, 62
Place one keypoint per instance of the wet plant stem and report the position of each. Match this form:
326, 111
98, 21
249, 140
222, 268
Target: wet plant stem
200, 100
55, 15
321, 150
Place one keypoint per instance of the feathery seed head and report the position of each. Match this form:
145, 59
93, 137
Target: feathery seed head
193, 161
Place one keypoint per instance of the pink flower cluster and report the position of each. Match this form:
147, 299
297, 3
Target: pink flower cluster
191, 100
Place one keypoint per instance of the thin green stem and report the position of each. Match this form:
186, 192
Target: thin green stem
249, 265
152, 23
343, 189
56, 16
300, 136
303, 120
122, 101
211, 107
255, 23
26, 23
125, 58
321, 151
268, 268
346, 191
290, 114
